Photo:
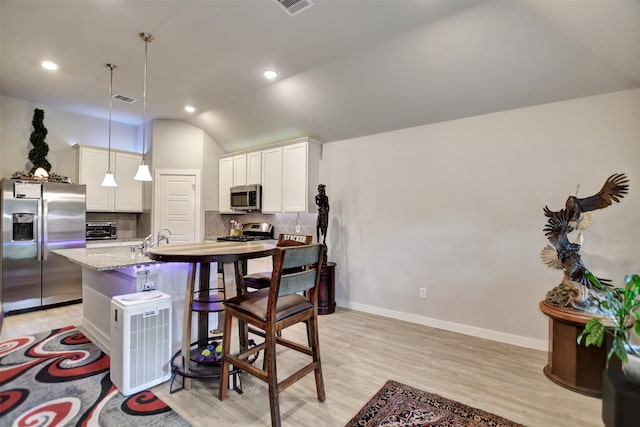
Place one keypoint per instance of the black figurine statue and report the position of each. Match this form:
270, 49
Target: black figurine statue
323, 217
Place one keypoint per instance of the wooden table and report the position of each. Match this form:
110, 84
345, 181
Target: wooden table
201, 255
327, 289
572, 365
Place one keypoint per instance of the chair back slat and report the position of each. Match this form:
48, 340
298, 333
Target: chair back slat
301, 256
297, 282
300, 238
288, 278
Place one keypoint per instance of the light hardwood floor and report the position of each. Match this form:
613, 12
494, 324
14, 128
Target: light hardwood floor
356, 352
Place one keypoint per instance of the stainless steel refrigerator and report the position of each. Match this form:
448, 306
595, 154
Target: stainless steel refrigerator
38, 217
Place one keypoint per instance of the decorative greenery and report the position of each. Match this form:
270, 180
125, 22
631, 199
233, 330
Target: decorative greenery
620, 305
38, 154
53, 177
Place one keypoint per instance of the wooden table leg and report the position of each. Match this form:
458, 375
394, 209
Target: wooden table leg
186, 324
203, 317
243, 328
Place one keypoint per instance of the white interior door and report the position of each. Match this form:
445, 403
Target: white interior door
177, 205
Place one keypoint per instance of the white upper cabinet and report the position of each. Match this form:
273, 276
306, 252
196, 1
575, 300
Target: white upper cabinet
254, 168
92, 165
128, 194
300, 175
234, 170
272, 180
294, 178
240, 170
225, 182
288, 172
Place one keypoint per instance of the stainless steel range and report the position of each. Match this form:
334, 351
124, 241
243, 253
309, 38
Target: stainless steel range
251, 231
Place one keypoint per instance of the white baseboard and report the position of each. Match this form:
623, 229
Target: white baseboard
102, 341
449, 326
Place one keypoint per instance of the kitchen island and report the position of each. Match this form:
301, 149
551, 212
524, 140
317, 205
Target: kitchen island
111, 271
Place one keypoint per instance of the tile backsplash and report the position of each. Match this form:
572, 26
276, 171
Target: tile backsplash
130, 225
217, 224
138, 225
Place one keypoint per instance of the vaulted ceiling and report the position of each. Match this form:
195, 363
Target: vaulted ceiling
347, 67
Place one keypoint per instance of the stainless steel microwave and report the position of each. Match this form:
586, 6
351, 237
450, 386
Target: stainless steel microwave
246, 197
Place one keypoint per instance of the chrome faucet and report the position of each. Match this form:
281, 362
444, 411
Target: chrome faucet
147, 244
144, 245
162, 236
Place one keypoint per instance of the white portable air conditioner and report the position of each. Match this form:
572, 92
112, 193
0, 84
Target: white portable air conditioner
140, 340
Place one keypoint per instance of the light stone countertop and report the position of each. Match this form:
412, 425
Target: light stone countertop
104, 258
211, 251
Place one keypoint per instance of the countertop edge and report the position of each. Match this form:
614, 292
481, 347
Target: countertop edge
104, 258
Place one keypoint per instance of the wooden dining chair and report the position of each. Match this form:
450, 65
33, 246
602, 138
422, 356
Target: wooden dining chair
262, 279
275, 308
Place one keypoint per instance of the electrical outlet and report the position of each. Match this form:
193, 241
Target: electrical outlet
297, 228
423, 293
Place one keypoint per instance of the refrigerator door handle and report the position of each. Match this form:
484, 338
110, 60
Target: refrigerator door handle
45, 229
39, 233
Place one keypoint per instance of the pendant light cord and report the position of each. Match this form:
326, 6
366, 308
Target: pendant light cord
147, 39
111, 67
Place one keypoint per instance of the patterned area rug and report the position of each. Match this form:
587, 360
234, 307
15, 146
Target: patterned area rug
61, 378
398, 405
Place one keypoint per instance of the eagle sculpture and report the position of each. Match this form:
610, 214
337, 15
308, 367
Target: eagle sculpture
576, 291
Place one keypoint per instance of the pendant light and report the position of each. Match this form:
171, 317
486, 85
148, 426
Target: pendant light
109, 180
143, 173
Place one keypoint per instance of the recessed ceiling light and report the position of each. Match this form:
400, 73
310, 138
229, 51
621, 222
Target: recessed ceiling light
270, 73
49, 65
189, 109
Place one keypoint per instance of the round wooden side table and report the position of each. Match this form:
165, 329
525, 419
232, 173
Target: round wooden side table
572, 365
327, 289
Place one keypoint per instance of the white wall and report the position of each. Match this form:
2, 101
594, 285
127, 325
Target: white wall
64, 130
176, 144
456, 207
180, 145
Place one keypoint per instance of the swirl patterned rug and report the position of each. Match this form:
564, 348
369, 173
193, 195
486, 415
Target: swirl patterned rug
61, 378
399, 405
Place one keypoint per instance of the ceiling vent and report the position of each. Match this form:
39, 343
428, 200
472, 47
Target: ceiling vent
124, 98
293, 7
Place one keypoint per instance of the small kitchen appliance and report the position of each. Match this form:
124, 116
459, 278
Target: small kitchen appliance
251, 231
101, 230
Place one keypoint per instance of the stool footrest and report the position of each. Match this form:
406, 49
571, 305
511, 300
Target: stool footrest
202, 370
208, 303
